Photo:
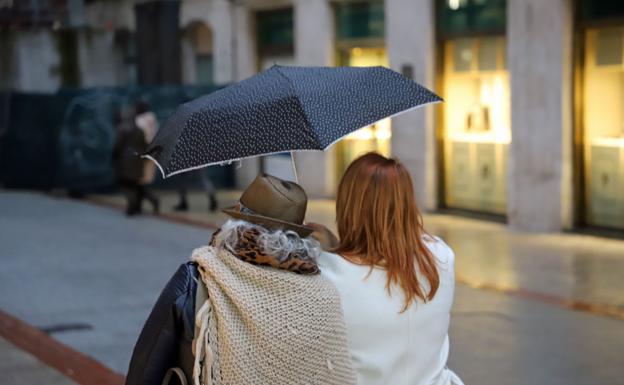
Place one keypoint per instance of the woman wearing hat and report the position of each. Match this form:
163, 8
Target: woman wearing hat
251, 308
396, 281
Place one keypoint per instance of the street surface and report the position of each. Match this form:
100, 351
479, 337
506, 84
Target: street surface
88, 276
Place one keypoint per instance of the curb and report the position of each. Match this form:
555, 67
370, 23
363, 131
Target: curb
77, 366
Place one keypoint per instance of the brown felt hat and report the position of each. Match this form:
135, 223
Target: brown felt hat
273, 203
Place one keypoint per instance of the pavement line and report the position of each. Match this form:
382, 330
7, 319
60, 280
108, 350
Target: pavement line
571, 304
77, 366
576, 305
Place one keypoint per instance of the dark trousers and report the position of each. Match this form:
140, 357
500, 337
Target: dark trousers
135, 195
146, 193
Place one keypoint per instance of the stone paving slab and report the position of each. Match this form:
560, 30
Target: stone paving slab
72, 263
577, 270
65, 264
20, 368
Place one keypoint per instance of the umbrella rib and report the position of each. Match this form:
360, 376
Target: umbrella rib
303, 111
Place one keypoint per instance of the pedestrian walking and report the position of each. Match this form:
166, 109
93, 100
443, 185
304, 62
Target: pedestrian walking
207, 187
251, 307
396, 281
145, 120
128, 165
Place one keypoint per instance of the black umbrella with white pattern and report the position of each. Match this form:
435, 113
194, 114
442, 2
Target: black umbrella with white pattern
279, 110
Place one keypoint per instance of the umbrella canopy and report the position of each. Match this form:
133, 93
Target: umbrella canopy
281, 109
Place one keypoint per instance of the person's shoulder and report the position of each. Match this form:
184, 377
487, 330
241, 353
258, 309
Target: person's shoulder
183, 279
327, 258
332, 264
441, 250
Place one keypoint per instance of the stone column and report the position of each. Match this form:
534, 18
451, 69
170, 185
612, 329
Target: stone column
314, 46
540, 63
220, 17
410, 40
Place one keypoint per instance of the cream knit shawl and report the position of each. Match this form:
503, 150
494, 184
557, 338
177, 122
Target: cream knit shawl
272, 326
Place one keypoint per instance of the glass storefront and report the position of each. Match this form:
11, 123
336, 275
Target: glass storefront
476, 130
360, 33
603, 127
477, 124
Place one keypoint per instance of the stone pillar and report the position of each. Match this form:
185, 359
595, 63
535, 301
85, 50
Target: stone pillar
220, 17
540, 61
314, 46
410, 40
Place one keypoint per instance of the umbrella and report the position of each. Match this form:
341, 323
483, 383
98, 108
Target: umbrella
279, 110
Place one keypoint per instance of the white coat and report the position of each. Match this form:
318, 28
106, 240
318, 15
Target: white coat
387, 346
148, 124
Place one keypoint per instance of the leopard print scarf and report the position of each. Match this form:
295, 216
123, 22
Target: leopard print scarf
248, 250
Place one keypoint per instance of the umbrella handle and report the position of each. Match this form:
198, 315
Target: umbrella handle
294, 166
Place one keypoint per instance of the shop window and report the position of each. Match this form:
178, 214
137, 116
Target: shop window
204, 68
202, 42
360, 20
375, 137
603, 124
477, 124
275, 32
602, 9
461, 17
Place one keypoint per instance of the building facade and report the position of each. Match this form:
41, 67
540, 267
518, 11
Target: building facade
531, 130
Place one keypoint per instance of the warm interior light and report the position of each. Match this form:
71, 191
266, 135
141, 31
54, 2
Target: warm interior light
454, 4
365, 133
368, 57
477, 124
382, 129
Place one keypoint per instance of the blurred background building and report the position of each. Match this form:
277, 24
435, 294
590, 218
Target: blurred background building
531, 131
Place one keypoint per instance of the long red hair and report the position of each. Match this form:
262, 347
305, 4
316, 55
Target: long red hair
380, 225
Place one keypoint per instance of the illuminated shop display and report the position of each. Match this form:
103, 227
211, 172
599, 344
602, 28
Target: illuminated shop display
603, 124
377, 136
477, 123
360, 33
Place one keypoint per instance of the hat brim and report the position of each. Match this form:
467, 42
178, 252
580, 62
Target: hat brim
272, 223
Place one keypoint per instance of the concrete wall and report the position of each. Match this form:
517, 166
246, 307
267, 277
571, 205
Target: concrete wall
314, 46
98, 59
540, 64
110, 15
410, 41
35, 62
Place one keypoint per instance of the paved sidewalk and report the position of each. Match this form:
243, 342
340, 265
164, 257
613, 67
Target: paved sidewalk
20, 368
89, 276
574, 270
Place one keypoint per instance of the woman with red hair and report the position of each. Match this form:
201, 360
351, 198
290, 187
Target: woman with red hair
396, 281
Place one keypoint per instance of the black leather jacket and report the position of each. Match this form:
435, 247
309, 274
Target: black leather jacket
167, 336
